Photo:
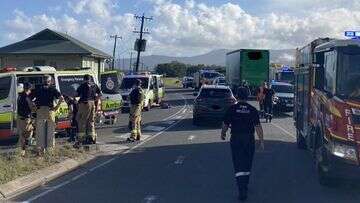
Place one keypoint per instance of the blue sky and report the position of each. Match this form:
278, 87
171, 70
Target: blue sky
183, 27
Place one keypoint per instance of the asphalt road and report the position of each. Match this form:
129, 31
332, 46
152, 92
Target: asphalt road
183, 163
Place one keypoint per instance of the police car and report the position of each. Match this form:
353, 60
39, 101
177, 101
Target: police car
212, 102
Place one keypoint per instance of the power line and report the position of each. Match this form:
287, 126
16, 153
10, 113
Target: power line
140, 43
114, 51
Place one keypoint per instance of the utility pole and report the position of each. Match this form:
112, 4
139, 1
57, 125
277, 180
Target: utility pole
130, 65
140, 40
114, 51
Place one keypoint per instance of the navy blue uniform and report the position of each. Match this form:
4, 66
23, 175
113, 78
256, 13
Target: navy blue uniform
242, 118
268, 102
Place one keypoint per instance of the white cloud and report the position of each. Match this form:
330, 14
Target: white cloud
194, 28
97, 8
198, 27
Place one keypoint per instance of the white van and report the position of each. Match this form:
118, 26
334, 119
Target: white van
146, 84
10, 85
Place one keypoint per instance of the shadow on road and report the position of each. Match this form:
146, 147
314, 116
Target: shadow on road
203, 173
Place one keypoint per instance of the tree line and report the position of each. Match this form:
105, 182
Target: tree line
177, 69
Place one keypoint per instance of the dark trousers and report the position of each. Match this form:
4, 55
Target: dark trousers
242, 156
268, 107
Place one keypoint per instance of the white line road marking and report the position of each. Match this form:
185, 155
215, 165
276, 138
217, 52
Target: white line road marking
178, 117
154, 128
168, 122
123, 136
191, 137
179, 160
150, 198
285, 131
112, 159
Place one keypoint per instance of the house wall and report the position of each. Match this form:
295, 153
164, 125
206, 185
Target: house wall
93, 63
59, 62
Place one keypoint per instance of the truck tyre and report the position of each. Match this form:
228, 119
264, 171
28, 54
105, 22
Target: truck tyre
323, 171
324, 177
300, 141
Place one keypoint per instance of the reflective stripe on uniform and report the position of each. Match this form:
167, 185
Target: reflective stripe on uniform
242, 174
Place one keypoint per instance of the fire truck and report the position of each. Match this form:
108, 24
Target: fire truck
327, 106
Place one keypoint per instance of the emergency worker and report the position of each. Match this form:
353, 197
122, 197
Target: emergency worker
243, 119
73, 108
89, 94
268, 102
45, 97
136, 104
24, 120
260, 97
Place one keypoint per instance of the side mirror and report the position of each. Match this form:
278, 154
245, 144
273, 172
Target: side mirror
195, 94
20, 88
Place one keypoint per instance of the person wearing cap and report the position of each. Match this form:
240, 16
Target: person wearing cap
89, 95
48, 100
243, 119
136, 104
24, 120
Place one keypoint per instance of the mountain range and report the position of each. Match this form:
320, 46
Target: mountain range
215, 57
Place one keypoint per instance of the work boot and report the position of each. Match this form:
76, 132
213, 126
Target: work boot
130, 139
77, 145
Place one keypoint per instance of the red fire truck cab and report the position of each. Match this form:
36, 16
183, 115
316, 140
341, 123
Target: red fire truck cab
327, 106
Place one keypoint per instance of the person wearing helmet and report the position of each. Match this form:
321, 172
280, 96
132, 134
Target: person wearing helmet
243, 119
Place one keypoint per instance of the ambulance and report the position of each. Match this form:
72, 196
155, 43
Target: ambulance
159, 88
111, 100
11, 84
147, 84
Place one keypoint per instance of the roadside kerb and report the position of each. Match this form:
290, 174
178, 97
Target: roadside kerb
40, 177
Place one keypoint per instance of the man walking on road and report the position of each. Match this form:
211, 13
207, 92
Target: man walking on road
268, 102
89, 94
243, 119
46, 96
136, 105
24, 120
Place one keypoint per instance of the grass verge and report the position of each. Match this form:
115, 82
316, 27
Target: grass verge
13, 165
172, 82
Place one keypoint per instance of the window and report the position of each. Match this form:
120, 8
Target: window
69, 84
254, 55
215, 93
5, 84
330, 72
110, 83
35, 80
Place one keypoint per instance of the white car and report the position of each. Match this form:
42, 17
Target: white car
220, 81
